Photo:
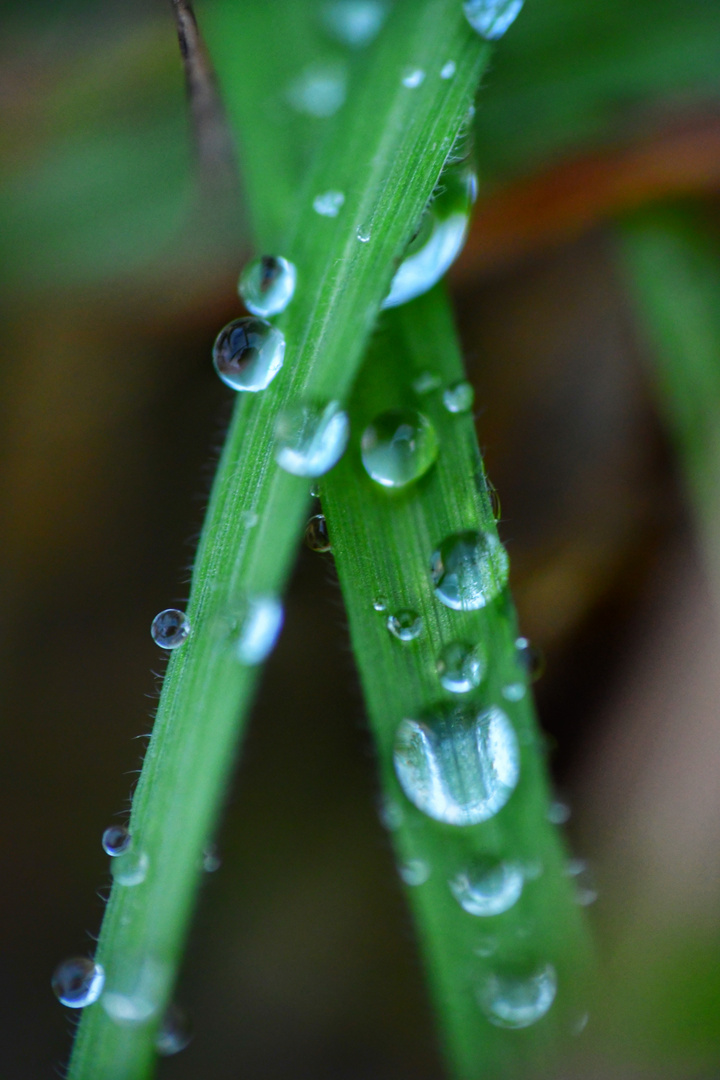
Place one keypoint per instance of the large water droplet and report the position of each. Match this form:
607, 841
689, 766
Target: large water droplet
248, 353
469, 570
405, 625
78, 982
488, 887
516, 998
460, 766
174, 1033
311, 438
461, 667
170, 628
440, 238
135, 991
130, 868
459, 398
116, 840
329, 203
491, 18
267, 284
254, 628
413, 77
319, 90
316, 534
355, 22
398, 447
414, 871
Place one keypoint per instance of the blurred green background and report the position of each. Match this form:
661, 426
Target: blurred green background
117, 273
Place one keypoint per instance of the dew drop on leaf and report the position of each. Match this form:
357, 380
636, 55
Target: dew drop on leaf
316, 534
116, 840
329, 203
267, 284
413, 77
398, 447
459, 398
319, 90
310, 439
130, 868
77, 982
517, 998
174, 1033
448, 70
492, 18
405, 625
354, 22
414, 871
170, 628
469, 570
460, 667
459, 766
488, 887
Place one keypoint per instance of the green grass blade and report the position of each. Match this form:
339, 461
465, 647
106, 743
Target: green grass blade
382, 541
384, 152
672, 265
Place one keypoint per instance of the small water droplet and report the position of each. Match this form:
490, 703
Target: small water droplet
398, 447
310, 439
354, 22
170, 628
459, 398
134, 993
558, 813
405, 625
459, 766
488, 887
116, 840
426, 382
491, 18
175, 1032
248, 353
469, 570
211, 860
413, 77
391, 814
514, 691
461, 667
315, 491
363, 234
267, 284
440, 237
448, 70
130, 868
329, 203
530, 658
516, 998
414, 871
316, 534
249, 519
252, 629
78, 982
380, 603
586, 892
319, 91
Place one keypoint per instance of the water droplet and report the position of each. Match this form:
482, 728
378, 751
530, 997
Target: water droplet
316, 534
580, 1024
355, 22
329, 203
514, 691
488, 887
363, 234
116, 840
398, 447
78, 982
530, 658
586, 892
253, 628
211, 860
413, 77
414, 871
460, 766
426, 382
130, 868
248, 353
469, 570
558, 813
170, 628
491, 18
267, 284
391, 814
249, 519
135, 991
380, 603
439, 240
311, 438
515, 998
174, 1033
315, 491
448, 70
405, 625
319, 91
460, 667
459, 398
